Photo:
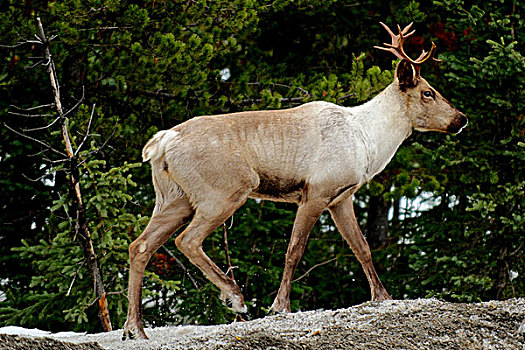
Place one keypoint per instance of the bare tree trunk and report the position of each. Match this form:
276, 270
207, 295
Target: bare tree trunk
81, 227
501, 270
377, 221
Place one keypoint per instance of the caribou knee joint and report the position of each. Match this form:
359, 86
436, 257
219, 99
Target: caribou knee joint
138, 251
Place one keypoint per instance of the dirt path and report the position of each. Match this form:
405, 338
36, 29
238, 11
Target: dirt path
408, 324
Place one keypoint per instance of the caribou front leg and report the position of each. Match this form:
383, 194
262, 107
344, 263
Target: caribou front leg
344, 218
307, 215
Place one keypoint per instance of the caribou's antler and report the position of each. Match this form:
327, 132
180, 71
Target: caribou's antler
397, 46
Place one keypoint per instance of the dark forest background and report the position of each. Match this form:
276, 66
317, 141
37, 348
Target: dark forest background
445, 219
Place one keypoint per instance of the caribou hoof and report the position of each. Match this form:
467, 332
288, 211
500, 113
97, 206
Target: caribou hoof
279, 308
133, 334
275, 313
381, 295
243, 317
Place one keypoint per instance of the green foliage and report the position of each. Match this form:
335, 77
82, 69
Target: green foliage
61, 283
481, 232
455, 202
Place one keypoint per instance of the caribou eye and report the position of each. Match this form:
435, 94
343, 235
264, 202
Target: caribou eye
428, 93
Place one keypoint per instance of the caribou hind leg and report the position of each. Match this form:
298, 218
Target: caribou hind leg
190, 242
162, 225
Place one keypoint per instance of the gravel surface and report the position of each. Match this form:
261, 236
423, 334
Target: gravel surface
407, 324
16, 342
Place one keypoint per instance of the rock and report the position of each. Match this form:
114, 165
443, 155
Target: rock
392, 324
16, 342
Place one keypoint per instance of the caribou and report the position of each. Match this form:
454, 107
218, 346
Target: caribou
316, 155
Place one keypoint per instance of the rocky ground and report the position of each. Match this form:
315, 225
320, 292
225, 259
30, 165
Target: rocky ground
407, 324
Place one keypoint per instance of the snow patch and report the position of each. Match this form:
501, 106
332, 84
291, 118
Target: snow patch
34, 332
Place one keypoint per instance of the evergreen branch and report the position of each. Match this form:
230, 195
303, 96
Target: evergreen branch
32, 108
88, 155
20, 43
29, 115
104, 28
34, 180
46, 145
170, 96
117, 293
88, 128
344, 97
282, 99
226, 248
43, 127
75, 277
34, 65
157, 94
517, 249
184, 268
303, 91
314, 267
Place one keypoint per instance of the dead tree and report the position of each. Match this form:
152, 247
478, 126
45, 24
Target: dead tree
71, 160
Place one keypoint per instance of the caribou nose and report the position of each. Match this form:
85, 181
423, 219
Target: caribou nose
458, 123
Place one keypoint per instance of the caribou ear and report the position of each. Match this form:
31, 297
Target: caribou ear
406, 74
